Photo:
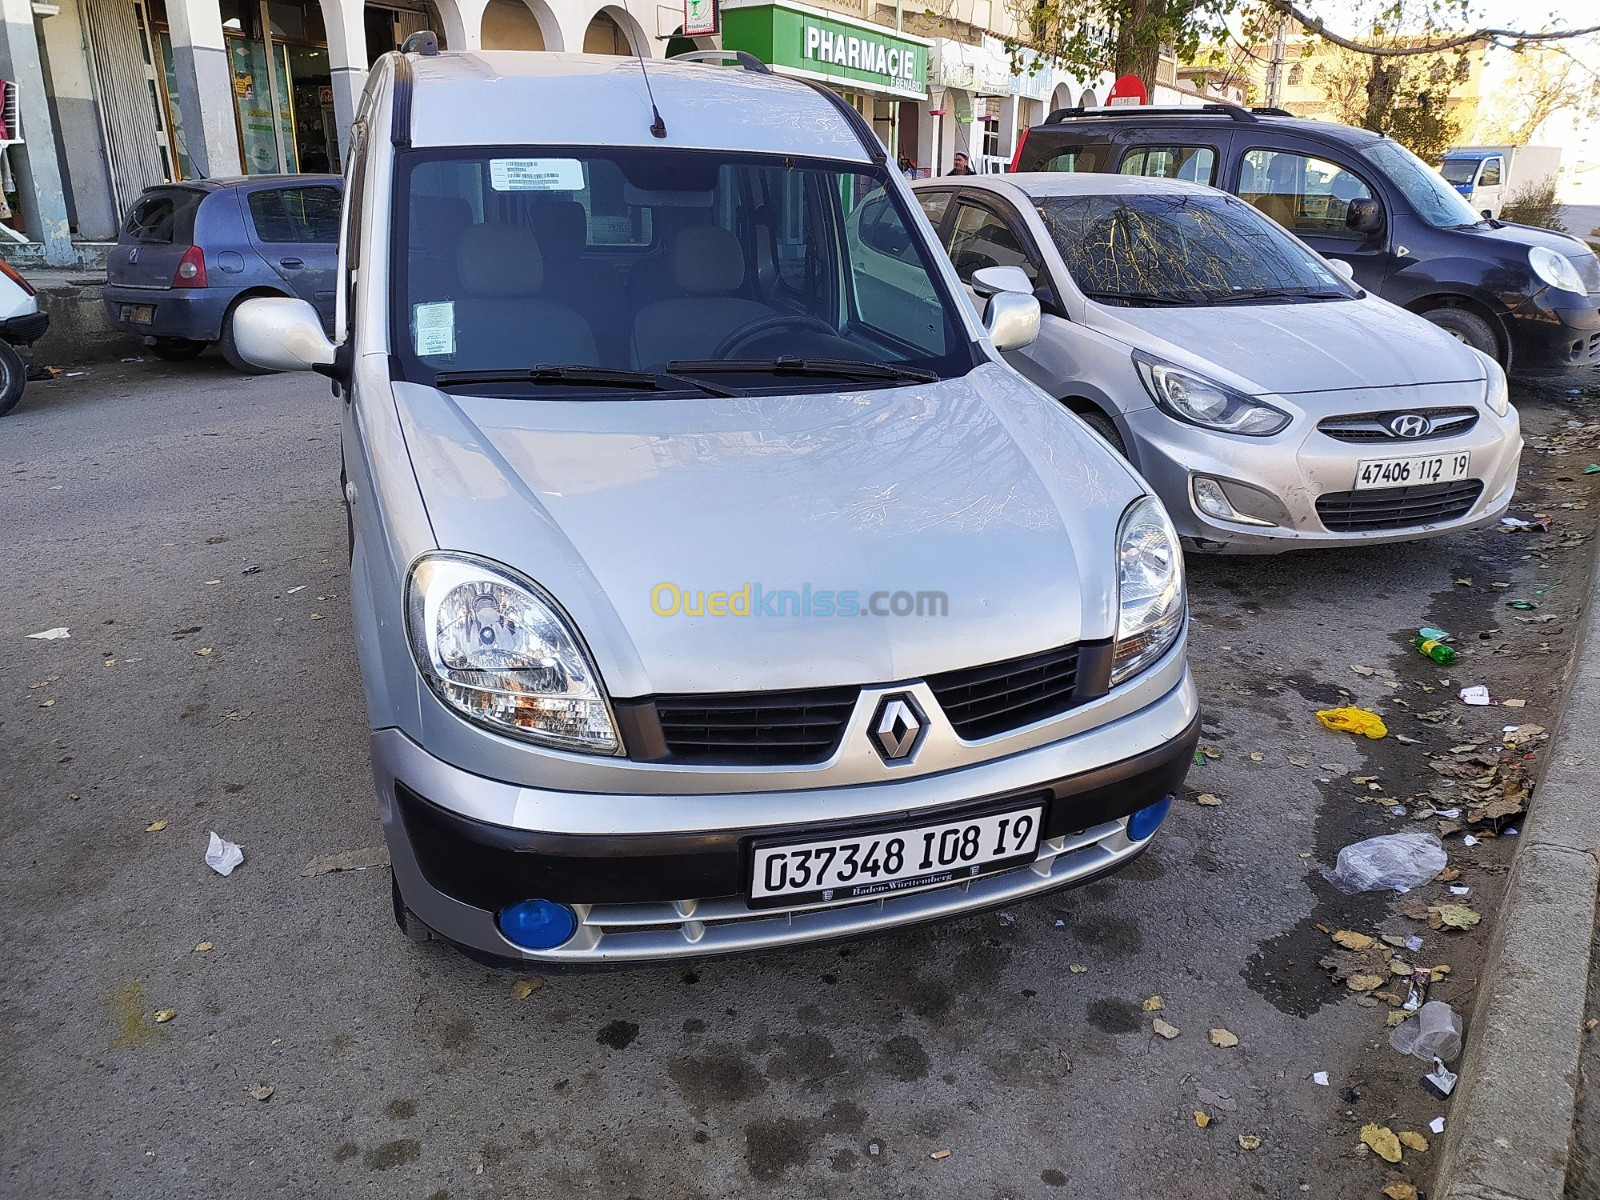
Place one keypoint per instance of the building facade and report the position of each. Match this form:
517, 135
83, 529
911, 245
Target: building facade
115, 95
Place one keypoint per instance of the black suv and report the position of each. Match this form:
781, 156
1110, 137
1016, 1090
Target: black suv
1529, 297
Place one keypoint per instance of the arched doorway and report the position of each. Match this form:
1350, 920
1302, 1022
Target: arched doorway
516, 25
1088, 99
608, 33
1061, 98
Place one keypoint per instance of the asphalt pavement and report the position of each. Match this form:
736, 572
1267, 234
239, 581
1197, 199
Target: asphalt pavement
312, 1051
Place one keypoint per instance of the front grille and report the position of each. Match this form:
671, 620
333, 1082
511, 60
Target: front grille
1371, 427
980, 701
755, 728
1397, 508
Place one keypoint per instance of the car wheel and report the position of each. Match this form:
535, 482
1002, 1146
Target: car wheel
1106, 428
13, 375
410, 924
230, 351
177, 349
1466, 327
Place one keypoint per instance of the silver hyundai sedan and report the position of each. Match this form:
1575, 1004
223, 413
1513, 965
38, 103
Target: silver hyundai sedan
710, 593
1271, 403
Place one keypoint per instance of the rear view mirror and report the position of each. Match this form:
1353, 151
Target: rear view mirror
281, 334
1344, 268
1364, 215
1012, 318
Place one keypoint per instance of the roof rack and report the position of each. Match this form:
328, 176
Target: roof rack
1166, 110
745, 59
1266, 110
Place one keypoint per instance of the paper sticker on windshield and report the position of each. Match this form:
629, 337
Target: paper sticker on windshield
435, 325
536, 174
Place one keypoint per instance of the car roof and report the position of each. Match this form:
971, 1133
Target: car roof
1226, 116
488, 98
1037, 184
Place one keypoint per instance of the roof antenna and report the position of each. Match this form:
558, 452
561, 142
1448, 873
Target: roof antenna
658, 127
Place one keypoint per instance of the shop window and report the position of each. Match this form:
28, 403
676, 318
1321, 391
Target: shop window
1197, 164
296, 214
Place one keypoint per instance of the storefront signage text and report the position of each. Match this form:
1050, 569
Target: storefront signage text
862, 53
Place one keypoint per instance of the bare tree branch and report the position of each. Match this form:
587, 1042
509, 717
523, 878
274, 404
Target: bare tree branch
1317, 26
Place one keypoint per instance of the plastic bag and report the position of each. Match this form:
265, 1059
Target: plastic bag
1354, 720
1398, 861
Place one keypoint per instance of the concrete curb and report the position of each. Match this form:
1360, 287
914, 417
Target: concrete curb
1510, 1123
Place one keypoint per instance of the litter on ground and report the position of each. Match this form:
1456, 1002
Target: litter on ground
1393, 861
222, 856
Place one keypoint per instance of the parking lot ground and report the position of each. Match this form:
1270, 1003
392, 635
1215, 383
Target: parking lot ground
197, 694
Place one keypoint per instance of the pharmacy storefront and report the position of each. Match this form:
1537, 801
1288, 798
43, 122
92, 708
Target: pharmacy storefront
881, 72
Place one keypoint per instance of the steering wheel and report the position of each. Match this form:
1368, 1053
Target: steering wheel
763, 325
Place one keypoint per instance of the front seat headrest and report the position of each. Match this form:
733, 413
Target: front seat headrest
499, 260
707, 258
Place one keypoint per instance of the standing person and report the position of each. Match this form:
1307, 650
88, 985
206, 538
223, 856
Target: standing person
907, 167
961, 165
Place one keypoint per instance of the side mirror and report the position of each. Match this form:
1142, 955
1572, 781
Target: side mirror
1012, 318
1364, 215
990, 281
1343, 267
282, 335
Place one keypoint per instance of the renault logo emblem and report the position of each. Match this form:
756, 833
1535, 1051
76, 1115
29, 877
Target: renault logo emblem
1409, 425
897, 727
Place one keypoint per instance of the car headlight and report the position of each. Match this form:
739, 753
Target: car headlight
1150, 596
1555, 269
1496, 396
500, 652
1200, 401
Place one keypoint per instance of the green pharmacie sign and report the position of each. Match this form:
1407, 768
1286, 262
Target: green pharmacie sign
805, 42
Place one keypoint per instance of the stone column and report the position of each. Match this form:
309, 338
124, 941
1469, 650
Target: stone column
347, 60
39, 188
205, 86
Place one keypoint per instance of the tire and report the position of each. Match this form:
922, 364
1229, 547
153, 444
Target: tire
230, 351
1105, 427
177, 349
1467, 326
407, 920
13, 376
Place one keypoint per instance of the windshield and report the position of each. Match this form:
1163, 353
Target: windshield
1192, 248
1459, 170
1435, 201
642, 263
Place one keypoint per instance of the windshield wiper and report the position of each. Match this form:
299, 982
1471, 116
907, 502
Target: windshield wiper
1280, 294
785, 364
1142, 298
596, 377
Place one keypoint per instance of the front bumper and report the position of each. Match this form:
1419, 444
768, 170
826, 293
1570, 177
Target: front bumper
1553, 338
1277, 481
191, 313
647, 895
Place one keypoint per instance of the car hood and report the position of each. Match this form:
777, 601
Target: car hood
1318, 346
978, 488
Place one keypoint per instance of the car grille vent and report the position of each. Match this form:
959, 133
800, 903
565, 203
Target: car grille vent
755, 728
1374, 427
1397, 508
983, 701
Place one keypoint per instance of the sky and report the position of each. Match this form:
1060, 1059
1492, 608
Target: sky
1521, 15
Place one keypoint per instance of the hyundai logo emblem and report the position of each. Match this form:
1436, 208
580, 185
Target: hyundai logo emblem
1409, 425
897, 727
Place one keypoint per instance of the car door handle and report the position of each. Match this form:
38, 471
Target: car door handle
291, 262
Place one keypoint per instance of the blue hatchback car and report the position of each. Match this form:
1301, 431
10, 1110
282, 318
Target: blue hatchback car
188, 253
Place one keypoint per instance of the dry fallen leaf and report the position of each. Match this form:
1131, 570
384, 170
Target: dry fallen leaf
1383, 1142
1211, 752
1351, 940
155, 827
1249, 1141
1078, 969
1364, 983
1153, 1004
523, 988
1397, 1018
1204, 798
1257, 756
201, 948
1451, 916
348, 860
1224, 1039
261, 1091
164, 1015
1413, 1141
1299, 760
1202, 1118
1400, 1191
1361, 670
203, 651
1449, 873
1514, 703
1166, 1030
47, 704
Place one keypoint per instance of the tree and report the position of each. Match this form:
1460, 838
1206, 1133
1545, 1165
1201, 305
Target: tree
1407, 98
1546, 81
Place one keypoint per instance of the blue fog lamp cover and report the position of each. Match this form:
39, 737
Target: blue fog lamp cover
537, 924
1144, 822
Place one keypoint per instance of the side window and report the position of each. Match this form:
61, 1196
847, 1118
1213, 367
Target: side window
1197, 164
881, 230
934, 205
1304, 194
982, 239
1490, 175
296, 214
1076, 158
